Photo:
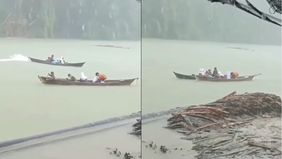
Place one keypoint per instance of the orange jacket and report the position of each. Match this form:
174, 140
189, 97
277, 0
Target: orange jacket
102, 77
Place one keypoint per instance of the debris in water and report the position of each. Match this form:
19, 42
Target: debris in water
117, 153
137, 128
236, 126
163, 149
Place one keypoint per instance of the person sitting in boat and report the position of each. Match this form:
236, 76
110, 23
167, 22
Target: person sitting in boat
51, 75
234, 75
208, 73
202, 72
62, 60
51, 58
71, 77
99, 77
220, 74
56, 61
228, 75
215, 73
83, 77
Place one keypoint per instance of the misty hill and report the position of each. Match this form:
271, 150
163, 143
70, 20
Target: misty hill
83, 19
203, 20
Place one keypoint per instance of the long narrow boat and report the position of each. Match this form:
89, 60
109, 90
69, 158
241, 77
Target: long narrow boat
62, 81
57, 64
213, 79
182, 76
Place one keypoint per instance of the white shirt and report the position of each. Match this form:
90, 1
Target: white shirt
95, 79
83, 77
62, 60
202, 71
220, 74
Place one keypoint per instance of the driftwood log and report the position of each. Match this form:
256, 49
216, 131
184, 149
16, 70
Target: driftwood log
227, 128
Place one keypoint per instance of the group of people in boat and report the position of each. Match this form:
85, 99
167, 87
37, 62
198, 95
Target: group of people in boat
217, 74
54, 60
98, 78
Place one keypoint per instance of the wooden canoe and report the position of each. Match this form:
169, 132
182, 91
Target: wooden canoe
57, 64
62, 81
213, 79
183, 76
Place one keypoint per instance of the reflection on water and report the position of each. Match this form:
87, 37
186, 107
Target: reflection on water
29, 107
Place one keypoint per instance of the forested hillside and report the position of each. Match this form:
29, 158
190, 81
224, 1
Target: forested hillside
82, 19
203, 20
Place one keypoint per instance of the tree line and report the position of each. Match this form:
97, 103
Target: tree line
82, 19
203, 20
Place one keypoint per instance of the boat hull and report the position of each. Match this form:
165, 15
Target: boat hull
57, 64
238, 79
183, 76
61, 81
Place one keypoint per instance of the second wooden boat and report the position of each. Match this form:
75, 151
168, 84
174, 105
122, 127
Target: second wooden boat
57, 64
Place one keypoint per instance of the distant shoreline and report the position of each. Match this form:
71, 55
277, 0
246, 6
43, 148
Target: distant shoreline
70, 39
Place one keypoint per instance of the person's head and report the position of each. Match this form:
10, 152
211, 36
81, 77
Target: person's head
52, 55
52, 73
97, 74
215, 68
69, 75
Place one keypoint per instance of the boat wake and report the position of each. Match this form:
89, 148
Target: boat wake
16, 57
114, 46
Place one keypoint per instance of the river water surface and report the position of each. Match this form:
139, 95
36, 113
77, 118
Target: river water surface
28, 107
161, 90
